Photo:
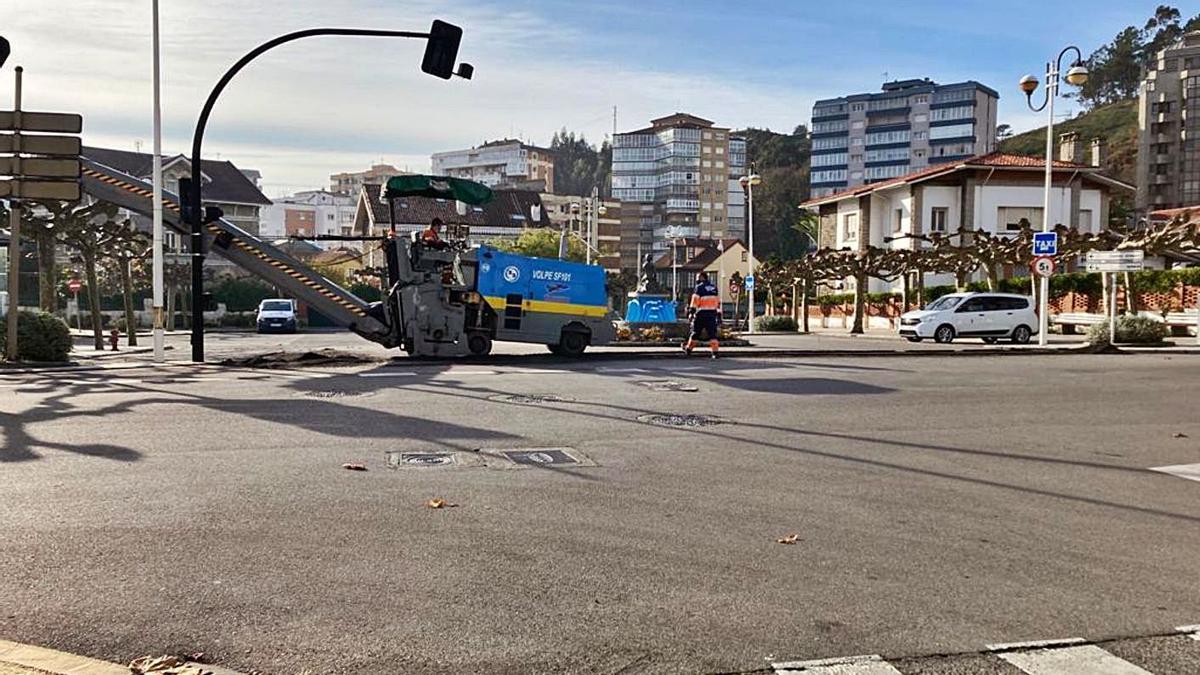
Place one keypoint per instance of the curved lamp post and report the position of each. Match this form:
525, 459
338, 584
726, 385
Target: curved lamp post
441, 52
748, 182
1077, 75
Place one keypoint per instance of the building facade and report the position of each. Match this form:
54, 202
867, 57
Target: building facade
998, 193
571, 212
1168, 159
498, 163
351, 183
910, 125
677, 178
310, 213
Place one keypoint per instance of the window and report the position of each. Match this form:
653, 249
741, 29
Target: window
937, 219
920, 135
857, 107
1085, 219
707, 135
706, 150
857, 124
923, 98
952, 131
881, 172
881, 137
832, 159
922, 117
1013, 218
898, 221
955, 113
850, 226
329, 216
720, 151
887, 155
856, 141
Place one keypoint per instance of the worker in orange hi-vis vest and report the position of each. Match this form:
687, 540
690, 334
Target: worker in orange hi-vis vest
705, 313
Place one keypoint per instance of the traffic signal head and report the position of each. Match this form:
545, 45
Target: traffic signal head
441, 52
212, 214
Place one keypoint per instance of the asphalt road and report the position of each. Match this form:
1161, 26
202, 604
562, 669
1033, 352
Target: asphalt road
940, 505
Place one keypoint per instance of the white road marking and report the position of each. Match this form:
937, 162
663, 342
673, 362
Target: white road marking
468, 372
1191, 631
1185, 471
870, 664
1077, 660
623, 370
401, 373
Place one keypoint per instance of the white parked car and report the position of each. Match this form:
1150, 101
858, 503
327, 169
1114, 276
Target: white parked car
277, 314
991, 316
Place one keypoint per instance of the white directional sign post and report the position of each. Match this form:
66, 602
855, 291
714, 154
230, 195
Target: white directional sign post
1110, 263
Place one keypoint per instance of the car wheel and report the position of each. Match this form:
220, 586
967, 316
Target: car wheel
479, 344
913, 338
989, 340
573, 342
1021, 335
944, 334
555, 349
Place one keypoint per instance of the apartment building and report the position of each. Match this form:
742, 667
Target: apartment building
1168, 159
571, 212
505, 162
908, 126
350, 183
677, 178
310, 213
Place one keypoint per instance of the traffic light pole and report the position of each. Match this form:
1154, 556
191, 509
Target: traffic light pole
14, 244
195, 212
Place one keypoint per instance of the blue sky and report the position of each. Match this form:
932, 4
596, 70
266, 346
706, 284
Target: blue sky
329, 105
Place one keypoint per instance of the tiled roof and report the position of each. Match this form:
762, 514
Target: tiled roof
228, 183
1168, 214
995, 159
508, 208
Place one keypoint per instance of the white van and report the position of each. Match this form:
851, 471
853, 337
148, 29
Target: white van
276, 314
990, 316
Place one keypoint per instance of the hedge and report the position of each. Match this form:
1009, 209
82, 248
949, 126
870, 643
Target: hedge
40, 337
769, 324
1130, 330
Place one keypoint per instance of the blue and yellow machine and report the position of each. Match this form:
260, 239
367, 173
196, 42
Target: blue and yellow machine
450, 300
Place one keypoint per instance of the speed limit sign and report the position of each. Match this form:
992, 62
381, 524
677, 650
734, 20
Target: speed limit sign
1043, 266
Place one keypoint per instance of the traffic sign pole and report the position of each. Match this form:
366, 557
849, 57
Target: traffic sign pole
157, 237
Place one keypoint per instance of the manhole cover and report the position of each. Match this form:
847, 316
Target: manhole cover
540, 457
396, 459
685, 421
532, 398
670, 385
333, 393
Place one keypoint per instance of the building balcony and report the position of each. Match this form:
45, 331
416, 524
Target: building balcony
1161, 179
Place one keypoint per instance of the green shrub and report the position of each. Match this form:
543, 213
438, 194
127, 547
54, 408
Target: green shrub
769, 324
932, 293
1139, 330
366, 292
882, 298
834, 299
40, 337
241, 295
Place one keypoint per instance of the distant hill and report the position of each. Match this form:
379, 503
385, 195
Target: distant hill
1116, 123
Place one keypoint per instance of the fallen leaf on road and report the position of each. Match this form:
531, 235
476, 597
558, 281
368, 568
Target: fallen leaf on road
355, 467
164, 665
439, 503
790, 539
1180, 434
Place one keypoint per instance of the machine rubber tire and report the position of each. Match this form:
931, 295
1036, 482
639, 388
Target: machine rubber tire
479, 344
555, 349
573, 342
944, 334
1021, 335
913, 338
989, 340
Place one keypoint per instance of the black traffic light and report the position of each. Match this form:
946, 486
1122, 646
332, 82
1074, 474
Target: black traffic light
185, 200
441, 52
212, 214
5, 50
207, 302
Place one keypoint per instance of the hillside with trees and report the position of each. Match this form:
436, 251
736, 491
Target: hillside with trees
1116, 123
783, 162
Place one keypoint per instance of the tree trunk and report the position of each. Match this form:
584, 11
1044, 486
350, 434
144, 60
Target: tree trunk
127, 291
804, 306
170, 316
905, 290
47, 271
1131, 305
93, 294
920, 288
860, 303
993, 281
960, 281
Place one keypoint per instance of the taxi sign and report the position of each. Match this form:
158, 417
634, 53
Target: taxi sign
1045, 243
749, 282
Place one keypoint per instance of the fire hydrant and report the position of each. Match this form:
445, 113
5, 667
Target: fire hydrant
113, 336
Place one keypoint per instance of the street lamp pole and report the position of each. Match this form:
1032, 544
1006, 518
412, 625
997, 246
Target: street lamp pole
1077, 75
748, 182
441, 53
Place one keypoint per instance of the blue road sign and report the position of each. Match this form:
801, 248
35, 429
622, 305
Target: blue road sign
1045, 243
749, 282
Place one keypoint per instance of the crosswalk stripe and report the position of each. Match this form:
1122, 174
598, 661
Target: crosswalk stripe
1073, 660
1191, 631
1185, 471
871, 664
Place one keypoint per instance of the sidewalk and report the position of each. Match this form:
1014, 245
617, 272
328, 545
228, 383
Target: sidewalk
23, 659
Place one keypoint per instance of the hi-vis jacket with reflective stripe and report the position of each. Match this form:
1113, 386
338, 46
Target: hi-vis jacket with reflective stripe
705, 298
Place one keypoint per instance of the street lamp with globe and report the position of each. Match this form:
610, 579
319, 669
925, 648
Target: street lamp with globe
748, 182
1077, 75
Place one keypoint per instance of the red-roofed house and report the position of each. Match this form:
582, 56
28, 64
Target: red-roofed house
992, 192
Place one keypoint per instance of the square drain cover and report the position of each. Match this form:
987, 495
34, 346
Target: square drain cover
518, 458
536, 457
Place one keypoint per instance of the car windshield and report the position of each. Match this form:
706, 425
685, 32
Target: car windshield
277, 306
946, 302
